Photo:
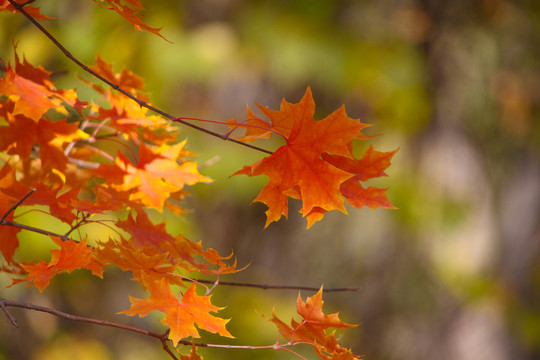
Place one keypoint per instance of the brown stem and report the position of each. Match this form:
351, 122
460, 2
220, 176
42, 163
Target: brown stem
280, 287
119, 89
30, 228
19, 202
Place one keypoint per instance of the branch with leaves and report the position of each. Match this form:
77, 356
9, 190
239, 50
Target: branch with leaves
78, 160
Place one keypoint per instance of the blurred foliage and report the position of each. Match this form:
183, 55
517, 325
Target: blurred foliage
453, 273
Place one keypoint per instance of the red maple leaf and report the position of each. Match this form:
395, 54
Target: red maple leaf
132, 13
33, 11
305, 168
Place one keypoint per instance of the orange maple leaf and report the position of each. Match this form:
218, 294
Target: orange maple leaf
131, 12
154, 251
31, 90
128, 256
312, 329
156, 176
300, 169
180, 316
126, 80
72, 255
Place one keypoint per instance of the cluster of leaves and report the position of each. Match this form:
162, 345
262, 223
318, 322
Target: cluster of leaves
61, 147
78, 159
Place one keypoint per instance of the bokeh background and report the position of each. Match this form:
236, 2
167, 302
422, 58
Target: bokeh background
454, 273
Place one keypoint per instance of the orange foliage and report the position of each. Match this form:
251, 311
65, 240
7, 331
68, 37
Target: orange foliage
312, 329
71, 256
180, 316
77, 159
113, 159
317, 164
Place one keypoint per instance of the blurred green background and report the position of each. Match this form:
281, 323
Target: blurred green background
454, 273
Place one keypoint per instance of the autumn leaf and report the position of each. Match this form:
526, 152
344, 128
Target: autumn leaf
32, 91
126, 80
153, 251
131, 12
312, 328
33, 11
181, 316
128, 256
300, 168
72, 255
156, 175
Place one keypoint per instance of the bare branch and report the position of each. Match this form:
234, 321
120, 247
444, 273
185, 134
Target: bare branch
162, 337
119, 89
282, 287
30, 228
8, 314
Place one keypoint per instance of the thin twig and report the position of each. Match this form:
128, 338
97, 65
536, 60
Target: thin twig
19, 202
79, 223
162, 337
11, 318
119, 89
282, 287
30, 228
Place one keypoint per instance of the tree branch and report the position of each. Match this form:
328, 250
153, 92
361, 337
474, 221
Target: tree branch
4, 303
141, 103
163, 338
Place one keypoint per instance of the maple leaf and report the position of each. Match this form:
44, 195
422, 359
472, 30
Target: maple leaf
33, 11
126, 80
156, 176
154, 251
300, 169
313, 328
140, 260
180, 316
72, 255
143, 231
31, 90
131, 12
